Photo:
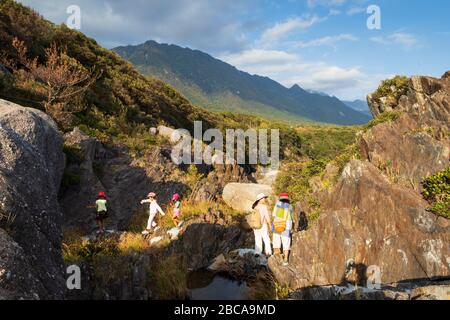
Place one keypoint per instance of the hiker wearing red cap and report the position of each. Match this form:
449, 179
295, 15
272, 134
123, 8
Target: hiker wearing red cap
282, 226
102, 212
154, 209
176, 208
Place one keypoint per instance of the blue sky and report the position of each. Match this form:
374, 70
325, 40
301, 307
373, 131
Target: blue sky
323, 45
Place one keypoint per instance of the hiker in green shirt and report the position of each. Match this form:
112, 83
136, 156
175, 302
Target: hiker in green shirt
102, 211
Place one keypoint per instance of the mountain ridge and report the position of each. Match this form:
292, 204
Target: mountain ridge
219, 86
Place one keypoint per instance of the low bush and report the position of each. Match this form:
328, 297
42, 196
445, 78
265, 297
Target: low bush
436, 190
395, 88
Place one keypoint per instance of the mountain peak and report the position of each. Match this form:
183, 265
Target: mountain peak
217, 85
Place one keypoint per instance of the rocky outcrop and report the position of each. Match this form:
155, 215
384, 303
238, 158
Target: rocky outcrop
31, 168
240, 196
374, 221
369, 222
397, 291
425, 98
416, 145
208, 236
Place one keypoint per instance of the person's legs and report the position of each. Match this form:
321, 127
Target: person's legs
150, 222
258, 241
276, 243
266, 239
286, 241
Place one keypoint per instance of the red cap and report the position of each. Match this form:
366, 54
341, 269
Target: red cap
284, 196
101, 194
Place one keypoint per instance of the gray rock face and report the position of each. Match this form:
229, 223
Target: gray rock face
31, 168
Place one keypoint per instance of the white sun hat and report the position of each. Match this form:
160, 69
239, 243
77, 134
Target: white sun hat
258, 198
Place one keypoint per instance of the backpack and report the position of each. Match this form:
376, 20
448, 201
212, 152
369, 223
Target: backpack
279, 222
254, 220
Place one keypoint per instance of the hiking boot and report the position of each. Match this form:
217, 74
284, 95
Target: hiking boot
145, 232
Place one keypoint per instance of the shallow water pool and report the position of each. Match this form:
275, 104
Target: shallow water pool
204, 285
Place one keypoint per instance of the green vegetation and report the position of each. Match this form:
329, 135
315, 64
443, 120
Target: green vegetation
436, 190
112, 258
325, 142
394, 88
295, 177
350, 152
386, 116
168, 278
320, 145
121, 104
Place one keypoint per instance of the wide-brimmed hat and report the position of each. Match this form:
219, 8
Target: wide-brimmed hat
284, 196
152, 195
259, 197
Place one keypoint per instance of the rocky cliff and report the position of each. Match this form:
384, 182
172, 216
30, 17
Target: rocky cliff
31, 168
375, 218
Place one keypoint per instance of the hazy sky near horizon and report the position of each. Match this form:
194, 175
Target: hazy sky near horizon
323, 45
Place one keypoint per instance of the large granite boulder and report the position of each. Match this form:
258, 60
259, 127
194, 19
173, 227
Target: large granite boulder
31, 168
240, 196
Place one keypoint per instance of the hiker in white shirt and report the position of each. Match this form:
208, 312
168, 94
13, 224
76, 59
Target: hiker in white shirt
262, 235
154, 209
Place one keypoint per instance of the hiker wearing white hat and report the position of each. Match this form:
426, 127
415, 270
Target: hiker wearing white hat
262, 233
154, 208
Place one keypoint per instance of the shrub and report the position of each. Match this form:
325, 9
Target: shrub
349, 153
193, 176
387, 116
74, 249
294, 178
395, 88
436, 190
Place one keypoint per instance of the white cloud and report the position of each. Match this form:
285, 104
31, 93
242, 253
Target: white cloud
325, 41
325, 3
334, 12
282, 29
259, 57
289, 69
211, 26
355, 10
406, 40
